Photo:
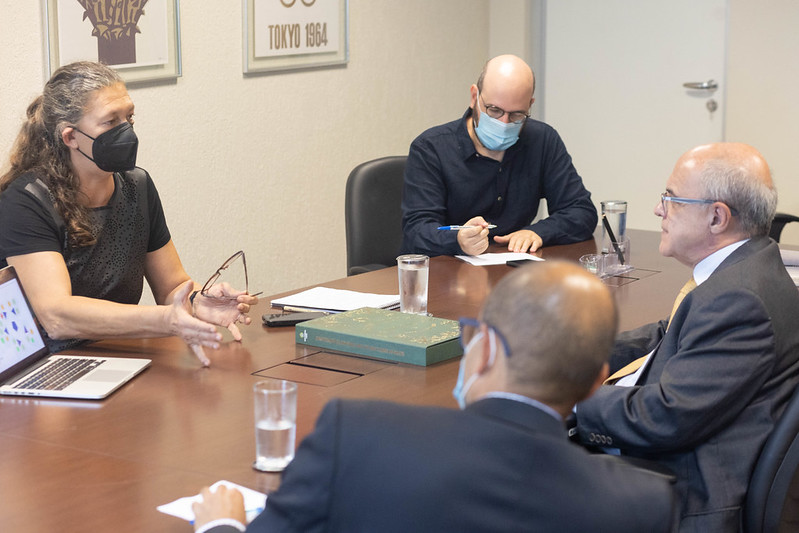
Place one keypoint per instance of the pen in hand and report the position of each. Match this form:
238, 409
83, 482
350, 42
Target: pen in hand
456, 228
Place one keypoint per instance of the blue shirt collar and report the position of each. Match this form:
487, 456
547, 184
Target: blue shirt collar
524, 399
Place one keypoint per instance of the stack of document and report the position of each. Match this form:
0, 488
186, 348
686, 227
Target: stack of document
335, 300
791, 260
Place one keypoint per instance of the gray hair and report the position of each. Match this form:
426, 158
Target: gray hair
67, 93
754, 201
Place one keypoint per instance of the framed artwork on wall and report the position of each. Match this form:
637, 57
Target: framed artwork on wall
138, 38
294, 34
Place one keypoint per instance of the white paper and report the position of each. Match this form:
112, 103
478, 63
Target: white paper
254, 502
496, 258
790, 257
631, 379
327, 299
794, 273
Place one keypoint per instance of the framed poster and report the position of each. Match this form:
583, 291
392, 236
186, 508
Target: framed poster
293, 34
138, 38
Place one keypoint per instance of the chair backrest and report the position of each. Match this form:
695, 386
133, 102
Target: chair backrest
373, 215
772, 501
780, 219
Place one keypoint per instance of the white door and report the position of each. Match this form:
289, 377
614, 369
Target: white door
613, 78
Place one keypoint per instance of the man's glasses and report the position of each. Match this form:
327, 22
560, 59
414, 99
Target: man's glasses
497, 112
231, 260
665, 198
470, 326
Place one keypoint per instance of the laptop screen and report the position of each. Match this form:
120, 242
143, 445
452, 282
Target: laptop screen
21, 342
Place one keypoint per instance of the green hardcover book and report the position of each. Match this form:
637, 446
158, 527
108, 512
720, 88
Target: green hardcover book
415, 339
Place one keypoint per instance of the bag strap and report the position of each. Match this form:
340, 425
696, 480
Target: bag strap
42, 193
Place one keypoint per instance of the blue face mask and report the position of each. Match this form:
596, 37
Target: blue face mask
460, 390
495, 134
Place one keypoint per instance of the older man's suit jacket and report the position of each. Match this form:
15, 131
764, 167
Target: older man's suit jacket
500, 465
717, 383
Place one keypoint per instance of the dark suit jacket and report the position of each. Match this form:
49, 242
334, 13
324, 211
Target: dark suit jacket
719, 380
500, 465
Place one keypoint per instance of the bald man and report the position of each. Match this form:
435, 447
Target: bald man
719, 375
503, 463
489, 171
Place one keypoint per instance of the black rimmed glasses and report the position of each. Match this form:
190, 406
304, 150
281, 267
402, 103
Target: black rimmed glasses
666, 197
497, 112
231, 260
470, 326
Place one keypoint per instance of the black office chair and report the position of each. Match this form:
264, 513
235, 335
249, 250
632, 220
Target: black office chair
772, 502
373, 218
780, 219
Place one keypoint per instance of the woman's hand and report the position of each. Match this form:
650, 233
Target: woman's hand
224, 306
194, 331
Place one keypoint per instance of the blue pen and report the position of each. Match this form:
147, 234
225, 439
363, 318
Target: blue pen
252, 513
456, 228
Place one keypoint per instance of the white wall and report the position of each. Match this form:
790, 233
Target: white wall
762, 107
514, 28
260, 163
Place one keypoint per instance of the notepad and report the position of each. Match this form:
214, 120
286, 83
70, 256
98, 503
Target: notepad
336, 300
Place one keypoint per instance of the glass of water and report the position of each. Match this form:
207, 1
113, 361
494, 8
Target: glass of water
615, 211
413, 271
275, 424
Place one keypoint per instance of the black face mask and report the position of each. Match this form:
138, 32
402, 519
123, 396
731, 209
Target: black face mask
114, 150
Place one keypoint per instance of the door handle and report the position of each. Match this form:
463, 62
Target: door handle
709, 85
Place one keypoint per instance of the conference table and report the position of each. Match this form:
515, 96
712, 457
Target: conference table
106, 465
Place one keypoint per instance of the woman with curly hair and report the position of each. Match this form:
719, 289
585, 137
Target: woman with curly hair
83, 226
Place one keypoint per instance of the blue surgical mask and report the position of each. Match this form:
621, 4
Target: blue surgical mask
495, 134
460, 390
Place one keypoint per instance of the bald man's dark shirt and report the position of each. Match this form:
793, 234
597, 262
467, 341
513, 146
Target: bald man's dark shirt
447, 182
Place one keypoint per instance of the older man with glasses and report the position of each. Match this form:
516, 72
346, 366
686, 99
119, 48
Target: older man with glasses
503, 463
701, 392
487, 172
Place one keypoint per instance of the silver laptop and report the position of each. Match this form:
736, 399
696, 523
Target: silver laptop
28, 369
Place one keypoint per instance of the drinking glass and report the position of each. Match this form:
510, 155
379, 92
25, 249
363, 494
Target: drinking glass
275, 424
413, 272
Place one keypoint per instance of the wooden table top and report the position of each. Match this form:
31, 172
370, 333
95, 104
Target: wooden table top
106, 466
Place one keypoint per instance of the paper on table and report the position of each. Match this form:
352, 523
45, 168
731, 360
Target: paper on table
793, 271
336, 300
790, 257
497, 258
254, 502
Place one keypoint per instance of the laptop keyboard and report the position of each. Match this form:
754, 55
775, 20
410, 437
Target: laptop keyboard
59, 374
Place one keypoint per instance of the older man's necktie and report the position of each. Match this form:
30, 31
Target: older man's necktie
635, 365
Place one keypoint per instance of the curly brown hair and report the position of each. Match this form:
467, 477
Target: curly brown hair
39, 146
